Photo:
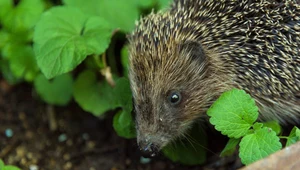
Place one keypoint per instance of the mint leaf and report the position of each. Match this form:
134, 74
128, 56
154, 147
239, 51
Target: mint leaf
273, 125
7, 73
4, 37
22, 62
293, 137
189, 150
258, 145
124, 125
107, 10
145, 3
92, 95
230, 147
233, 113
257, 126
65, 36
57, 91
10, 167
24, 16
6, 6
123, 122
122, 93
1, 164
164, 3
7, 167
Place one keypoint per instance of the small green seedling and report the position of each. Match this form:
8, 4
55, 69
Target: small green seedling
234, 114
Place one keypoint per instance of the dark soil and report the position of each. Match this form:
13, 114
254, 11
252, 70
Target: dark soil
55, 138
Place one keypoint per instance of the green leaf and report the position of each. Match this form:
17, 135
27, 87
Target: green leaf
4, 37
10, 167
145, 3
22, 62
19, 38
124, 125
293, 137
7, 167
233, 113
258, 145
298, 132
230, 147
24, 16
123, 122
1, 164
164, 3
188, 151
92, 95
6, 7
108, 10
7, 73
65, 36
274, 125
257, 126
122, 93
57, 91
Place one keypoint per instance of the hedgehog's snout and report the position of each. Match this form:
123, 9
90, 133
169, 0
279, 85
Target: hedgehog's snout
148, 149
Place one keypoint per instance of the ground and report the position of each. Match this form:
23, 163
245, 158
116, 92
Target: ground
36, 136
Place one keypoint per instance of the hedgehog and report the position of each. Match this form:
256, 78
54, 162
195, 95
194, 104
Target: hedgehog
182, 59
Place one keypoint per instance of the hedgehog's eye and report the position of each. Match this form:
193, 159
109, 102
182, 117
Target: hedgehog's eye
174, 98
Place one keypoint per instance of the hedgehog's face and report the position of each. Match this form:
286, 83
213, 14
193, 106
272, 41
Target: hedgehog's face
169, 92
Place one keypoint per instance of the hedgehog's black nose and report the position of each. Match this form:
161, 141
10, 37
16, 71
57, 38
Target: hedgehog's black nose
149, 150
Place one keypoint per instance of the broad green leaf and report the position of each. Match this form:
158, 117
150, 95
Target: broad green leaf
6, 6
233, 113
65, 36
257, 126
22, 62
124, 125
57, 91
92, 95
123, 122
9, 38
7, 73
145, 3
4, 37
1, 164
258, 145
230, 147
274, 125
10, 167
24, 16
163, 4
190, 150
293, 137
122, 93
7, 167
119, 13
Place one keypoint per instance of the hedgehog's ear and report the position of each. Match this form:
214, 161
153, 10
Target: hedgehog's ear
194, 50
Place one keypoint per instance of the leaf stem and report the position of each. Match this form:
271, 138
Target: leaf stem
106, 71
283, 137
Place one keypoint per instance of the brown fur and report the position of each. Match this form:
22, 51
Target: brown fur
202, 48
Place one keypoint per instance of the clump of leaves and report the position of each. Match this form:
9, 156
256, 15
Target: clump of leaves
7, 167
43, 44
234, 114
